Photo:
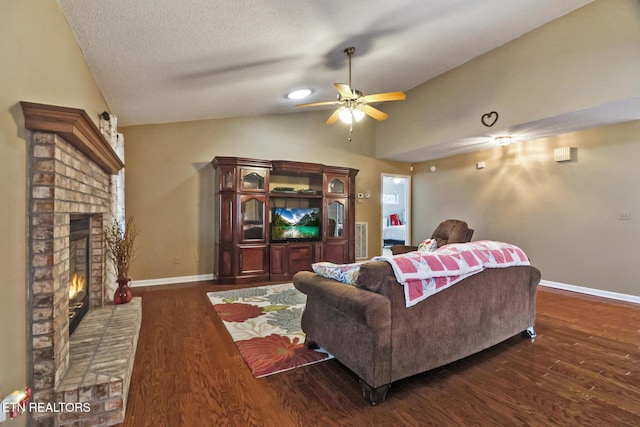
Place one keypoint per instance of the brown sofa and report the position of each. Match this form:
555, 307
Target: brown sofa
369, 329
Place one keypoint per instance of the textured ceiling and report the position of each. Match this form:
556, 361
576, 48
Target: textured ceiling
161, 61
165, 60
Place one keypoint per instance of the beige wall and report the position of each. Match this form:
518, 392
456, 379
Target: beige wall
41, 62
587, 58
169, 179
565, 216
556, 211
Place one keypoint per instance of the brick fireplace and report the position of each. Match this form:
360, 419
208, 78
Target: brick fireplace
70, 175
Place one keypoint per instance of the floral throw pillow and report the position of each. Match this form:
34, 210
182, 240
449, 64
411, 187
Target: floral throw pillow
345, 273
428, 245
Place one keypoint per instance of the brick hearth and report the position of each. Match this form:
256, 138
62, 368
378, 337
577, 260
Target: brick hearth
71, 167
101, 354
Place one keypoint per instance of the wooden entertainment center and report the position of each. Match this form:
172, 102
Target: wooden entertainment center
248, 191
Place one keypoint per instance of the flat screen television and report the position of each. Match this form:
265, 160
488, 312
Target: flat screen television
290, 224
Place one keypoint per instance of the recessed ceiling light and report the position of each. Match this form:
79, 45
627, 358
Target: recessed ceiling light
299, 94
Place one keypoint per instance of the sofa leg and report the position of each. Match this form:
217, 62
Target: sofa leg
374, 395
311, 344
530, 332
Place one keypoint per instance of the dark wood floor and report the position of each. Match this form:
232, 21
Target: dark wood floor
583, 369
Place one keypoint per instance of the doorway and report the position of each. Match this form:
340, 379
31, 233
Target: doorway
396, 211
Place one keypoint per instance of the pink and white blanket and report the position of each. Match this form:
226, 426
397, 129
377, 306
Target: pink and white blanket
426, 273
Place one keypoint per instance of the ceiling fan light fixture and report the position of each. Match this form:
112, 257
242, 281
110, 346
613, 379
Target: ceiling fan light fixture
352, 104
299, 93
345, 116
348, 115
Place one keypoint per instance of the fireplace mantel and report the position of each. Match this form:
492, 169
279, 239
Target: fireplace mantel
74, 126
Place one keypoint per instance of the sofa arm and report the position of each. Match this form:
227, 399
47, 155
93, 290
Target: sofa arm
365, 306
351, 323
402, 249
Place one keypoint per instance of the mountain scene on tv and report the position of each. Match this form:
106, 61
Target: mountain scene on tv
302, 223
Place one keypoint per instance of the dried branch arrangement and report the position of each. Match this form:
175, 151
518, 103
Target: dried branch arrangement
119, 241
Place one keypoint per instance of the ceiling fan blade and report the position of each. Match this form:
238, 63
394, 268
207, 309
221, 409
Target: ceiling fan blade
344, 90
387, 96
317, 104
334, 117
373, 112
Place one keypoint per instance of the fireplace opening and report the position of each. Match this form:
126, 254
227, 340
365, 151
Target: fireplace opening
79, 269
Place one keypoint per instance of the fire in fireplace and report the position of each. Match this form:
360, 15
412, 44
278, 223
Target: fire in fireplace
79, 269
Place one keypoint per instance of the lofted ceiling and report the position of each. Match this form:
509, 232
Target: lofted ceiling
162, 61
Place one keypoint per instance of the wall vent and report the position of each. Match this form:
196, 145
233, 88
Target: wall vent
362, 238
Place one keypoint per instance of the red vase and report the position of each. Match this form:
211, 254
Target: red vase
123, 294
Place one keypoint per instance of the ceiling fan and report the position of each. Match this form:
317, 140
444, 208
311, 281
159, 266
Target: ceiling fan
353, 105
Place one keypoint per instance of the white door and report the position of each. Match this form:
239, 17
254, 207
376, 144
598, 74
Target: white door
396, 211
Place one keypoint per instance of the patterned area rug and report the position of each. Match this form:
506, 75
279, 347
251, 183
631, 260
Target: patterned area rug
264, 322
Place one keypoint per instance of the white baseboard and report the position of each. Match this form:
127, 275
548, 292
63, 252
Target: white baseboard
591, 291
548, 283
171, 280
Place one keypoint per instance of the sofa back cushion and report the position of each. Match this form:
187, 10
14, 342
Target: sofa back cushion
451, 231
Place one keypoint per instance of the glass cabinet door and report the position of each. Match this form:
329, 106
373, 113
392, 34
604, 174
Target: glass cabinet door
335, 219
336, 186
226, 178
252, 180
252, 210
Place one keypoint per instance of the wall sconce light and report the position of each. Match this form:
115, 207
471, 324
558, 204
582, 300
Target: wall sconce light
565, 154
503, 140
